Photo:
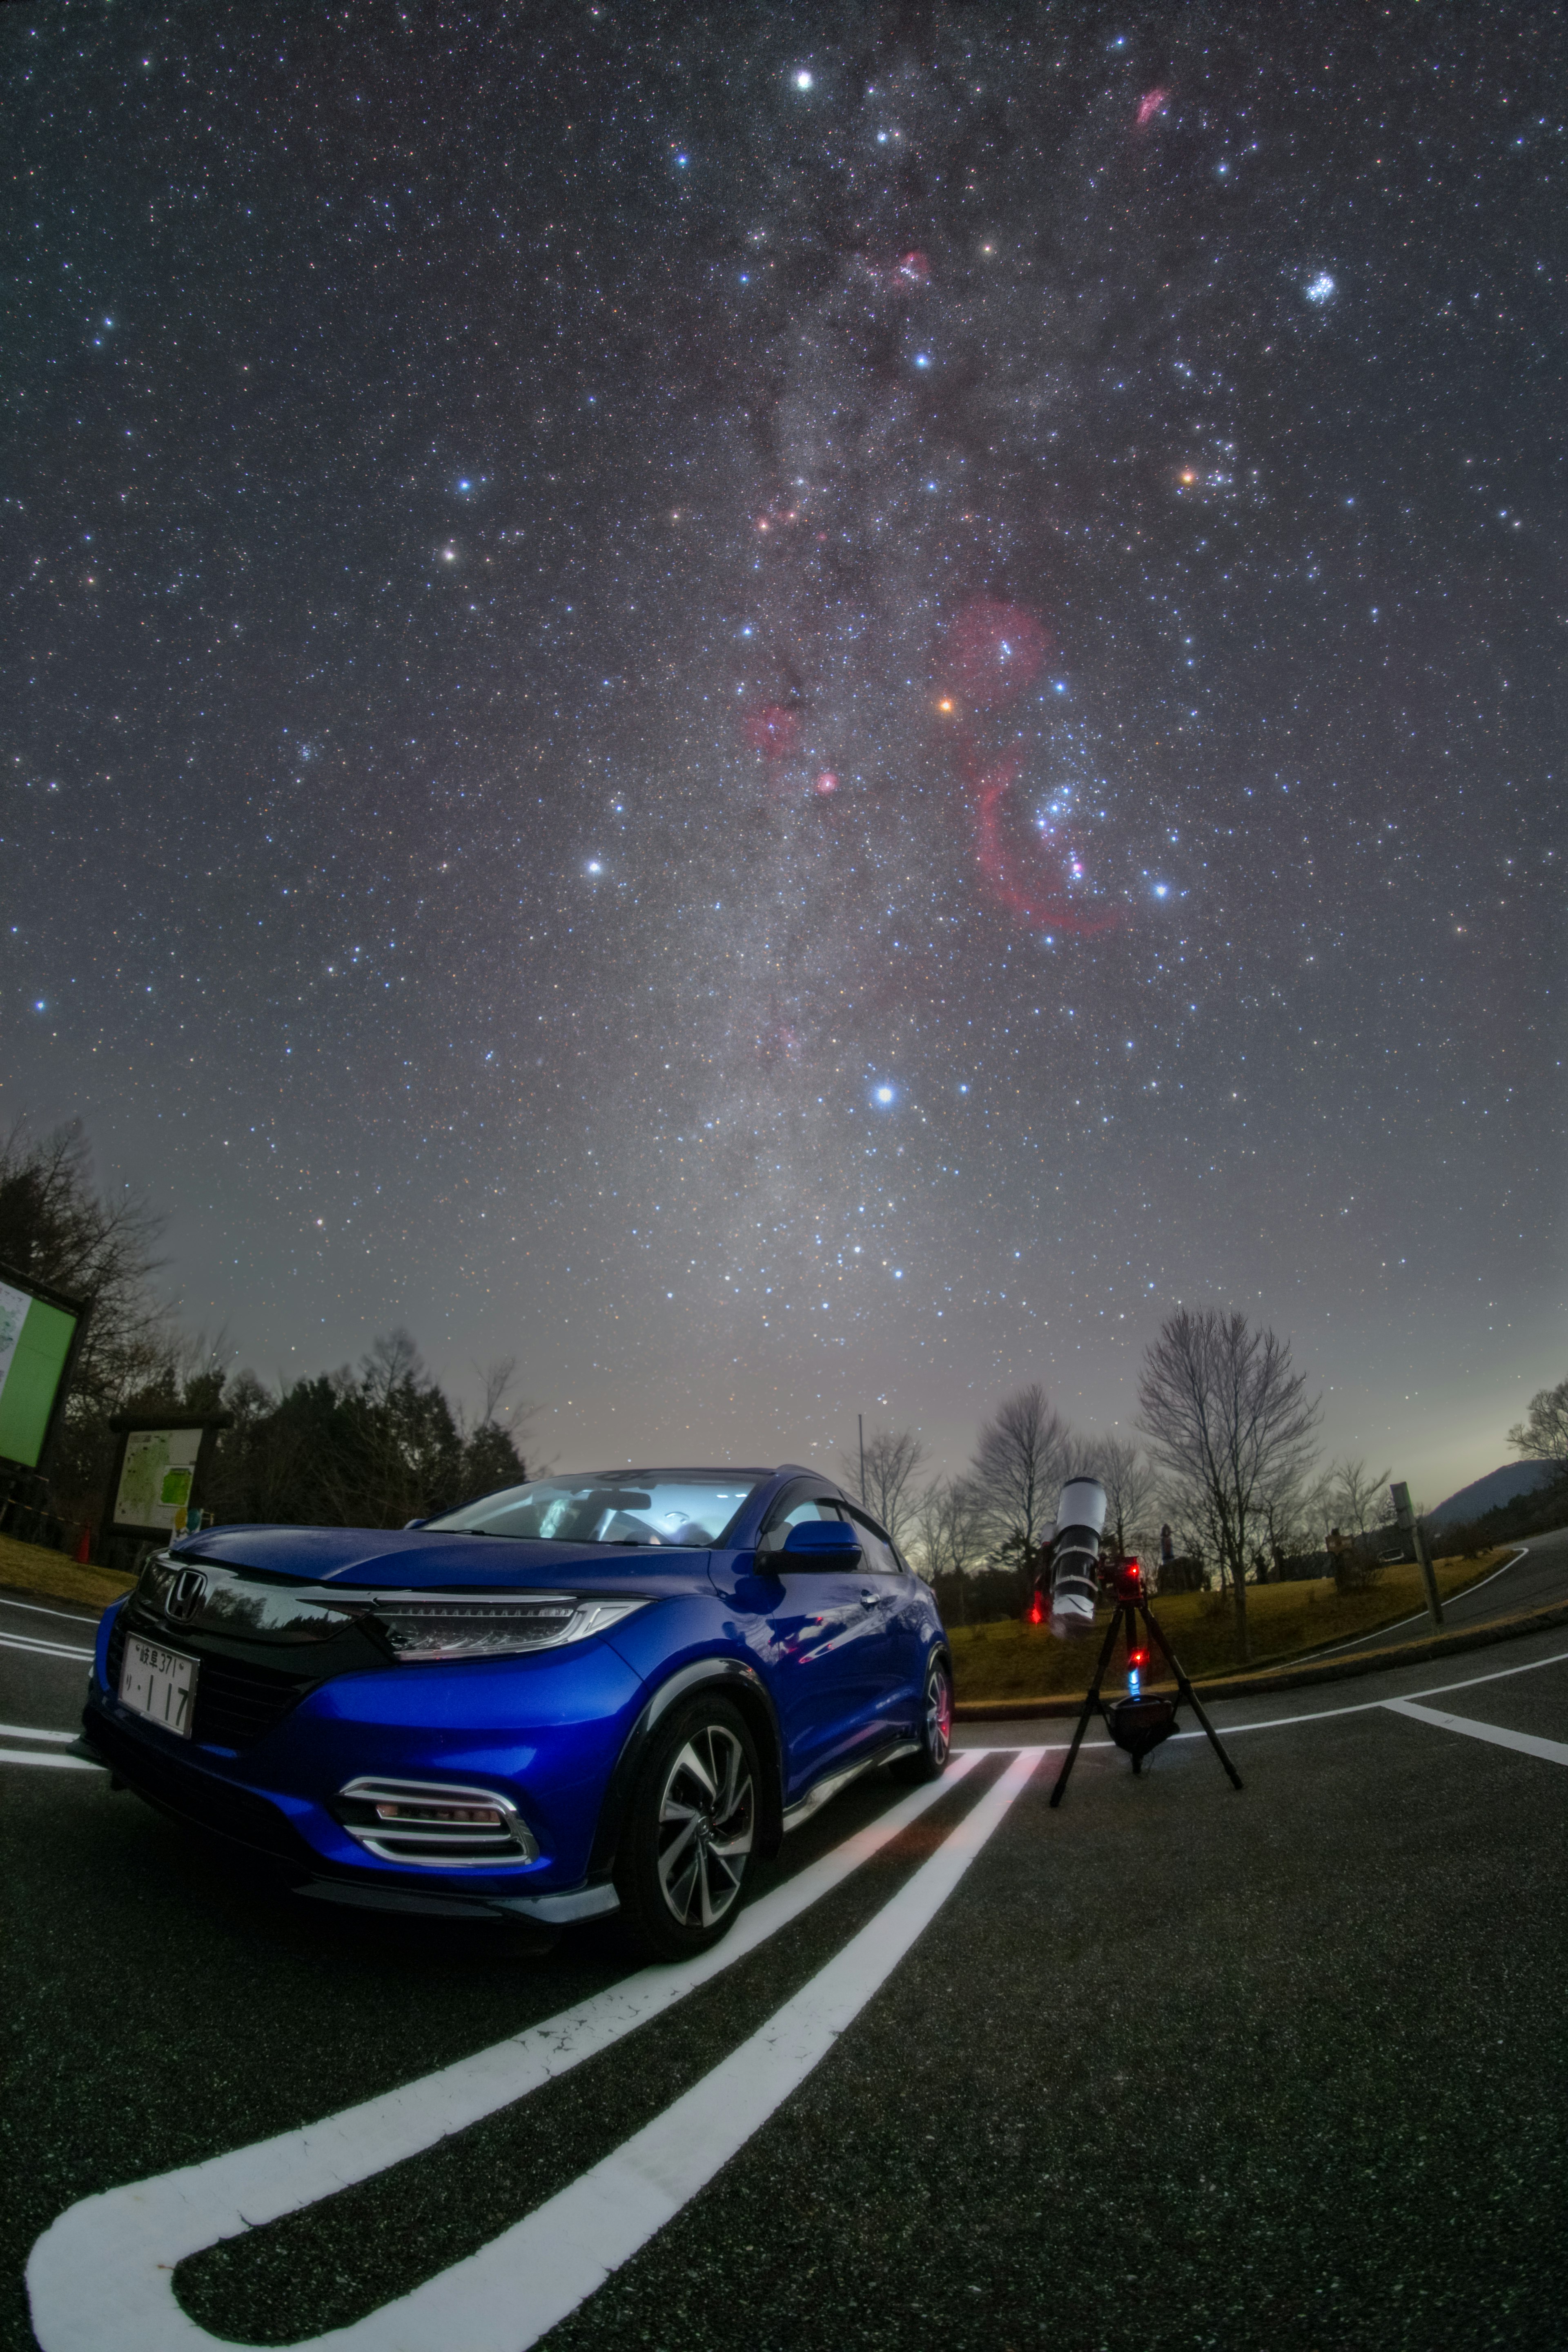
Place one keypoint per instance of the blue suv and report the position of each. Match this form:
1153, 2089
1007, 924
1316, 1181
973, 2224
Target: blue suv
587, 1694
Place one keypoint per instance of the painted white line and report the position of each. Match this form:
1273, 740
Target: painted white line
70, 1616
1551, 1751
1363, 1641
1288, 1722
50, 1763
28, 1731
41, 1649
1369, 1705
513, 2291
99, 2276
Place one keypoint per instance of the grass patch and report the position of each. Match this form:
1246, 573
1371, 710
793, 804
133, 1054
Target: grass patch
32, 1568
1010, 1660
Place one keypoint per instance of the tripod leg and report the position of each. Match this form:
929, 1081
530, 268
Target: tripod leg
1090, 1703
1189, 1694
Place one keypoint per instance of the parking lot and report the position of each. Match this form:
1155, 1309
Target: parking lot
1172, 2066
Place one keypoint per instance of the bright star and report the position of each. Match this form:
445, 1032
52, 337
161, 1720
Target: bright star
1320, 290
803, 80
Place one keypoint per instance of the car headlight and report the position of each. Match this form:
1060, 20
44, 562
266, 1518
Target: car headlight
418, 1631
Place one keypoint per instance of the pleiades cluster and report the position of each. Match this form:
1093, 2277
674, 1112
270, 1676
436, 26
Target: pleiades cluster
796, 710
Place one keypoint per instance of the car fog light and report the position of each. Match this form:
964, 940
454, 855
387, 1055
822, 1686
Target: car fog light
435, 1824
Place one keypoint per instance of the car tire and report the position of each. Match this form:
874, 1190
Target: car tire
690, 1831
935, 1730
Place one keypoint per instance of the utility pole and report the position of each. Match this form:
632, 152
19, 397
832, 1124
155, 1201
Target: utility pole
1406, 1518
861, 1425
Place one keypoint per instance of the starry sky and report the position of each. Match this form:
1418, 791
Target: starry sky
797, 710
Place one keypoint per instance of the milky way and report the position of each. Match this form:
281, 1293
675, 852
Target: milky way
796, 712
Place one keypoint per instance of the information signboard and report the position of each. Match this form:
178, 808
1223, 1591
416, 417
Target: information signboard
40, 1333
158, 1470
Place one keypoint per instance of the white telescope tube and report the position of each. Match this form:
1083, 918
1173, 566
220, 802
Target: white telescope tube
1075, 1559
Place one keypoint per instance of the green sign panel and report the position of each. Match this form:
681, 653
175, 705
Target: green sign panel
34, 1349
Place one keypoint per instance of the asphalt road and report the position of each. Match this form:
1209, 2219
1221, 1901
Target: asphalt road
1535, 1578
1171, 2067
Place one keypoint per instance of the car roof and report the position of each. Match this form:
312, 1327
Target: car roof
624, 1471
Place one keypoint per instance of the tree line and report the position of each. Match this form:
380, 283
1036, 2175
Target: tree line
1223, 1454
372, 1445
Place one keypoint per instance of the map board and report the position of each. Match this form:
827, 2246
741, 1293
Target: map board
37, 1339
159, 1469
156, 1475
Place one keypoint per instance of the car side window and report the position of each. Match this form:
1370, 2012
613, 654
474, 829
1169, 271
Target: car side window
876, 1552
811, 1506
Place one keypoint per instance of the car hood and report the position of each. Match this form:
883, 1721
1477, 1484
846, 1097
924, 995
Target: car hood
410, 1559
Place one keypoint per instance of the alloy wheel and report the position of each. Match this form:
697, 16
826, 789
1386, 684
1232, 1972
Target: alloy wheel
939, 1714
707, 1821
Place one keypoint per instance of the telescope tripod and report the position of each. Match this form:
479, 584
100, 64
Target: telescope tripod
1125, 1622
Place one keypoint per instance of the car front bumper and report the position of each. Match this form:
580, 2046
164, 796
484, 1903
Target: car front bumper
543, 1733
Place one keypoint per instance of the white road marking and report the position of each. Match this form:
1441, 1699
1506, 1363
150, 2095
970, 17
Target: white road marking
513, 2291
72, 1616
1288, 1722
1551, 1751
29, 1731
50, 1763
99, 2276
1362, 1640
41, 1649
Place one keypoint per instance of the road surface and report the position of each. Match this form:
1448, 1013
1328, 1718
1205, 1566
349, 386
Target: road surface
1171, 2068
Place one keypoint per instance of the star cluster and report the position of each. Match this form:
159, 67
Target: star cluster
797, 714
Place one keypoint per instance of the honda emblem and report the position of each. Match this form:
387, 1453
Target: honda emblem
185, 1595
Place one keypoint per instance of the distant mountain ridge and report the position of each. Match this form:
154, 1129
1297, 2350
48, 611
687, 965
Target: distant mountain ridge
1483, 1494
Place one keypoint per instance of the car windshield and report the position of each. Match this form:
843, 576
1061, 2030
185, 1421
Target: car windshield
676, 1507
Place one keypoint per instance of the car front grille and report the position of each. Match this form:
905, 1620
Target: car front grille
236, 1701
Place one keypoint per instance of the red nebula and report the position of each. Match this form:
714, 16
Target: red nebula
996, 650
772, 730
1033, 897
1152, 102
912, 272
826, 782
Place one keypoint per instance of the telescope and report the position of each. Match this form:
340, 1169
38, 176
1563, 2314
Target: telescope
1075, 1558
1140, 1721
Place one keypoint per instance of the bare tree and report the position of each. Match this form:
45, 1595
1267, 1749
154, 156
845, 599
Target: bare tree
1284, 1503
102, 1249
1543, 1434
949, 1535
1356, 1497
1020, 1456
1225, 1416
496, 1381
894, 1458
1128, 1483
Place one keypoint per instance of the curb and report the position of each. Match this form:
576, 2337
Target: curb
1289, 1678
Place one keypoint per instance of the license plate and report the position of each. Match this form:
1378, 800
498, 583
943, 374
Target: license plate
159, 1683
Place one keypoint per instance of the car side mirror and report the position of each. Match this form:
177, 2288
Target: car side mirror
412, 1523
824, 1543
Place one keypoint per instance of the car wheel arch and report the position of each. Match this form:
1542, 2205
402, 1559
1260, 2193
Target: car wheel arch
742, 1686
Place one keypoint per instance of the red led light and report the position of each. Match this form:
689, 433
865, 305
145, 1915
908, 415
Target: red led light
1137, 1657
